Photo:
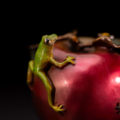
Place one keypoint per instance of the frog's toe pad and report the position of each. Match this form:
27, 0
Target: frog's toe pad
58, 108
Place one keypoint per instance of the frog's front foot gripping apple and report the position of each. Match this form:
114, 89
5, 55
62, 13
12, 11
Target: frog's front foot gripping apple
43, 61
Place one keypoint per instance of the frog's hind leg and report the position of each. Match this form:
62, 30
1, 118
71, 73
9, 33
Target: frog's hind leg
30, 72
49, 89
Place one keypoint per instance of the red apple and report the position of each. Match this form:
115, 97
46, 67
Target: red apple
90, 90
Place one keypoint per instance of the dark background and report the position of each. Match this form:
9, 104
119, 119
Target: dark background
24, 25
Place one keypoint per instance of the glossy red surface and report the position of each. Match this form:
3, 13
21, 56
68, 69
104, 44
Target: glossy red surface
90, 90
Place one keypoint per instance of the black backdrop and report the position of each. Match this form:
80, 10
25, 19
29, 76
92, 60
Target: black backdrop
25, 25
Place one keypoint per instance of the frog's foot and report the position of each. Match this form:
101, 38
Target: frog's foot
58, 108
70, 59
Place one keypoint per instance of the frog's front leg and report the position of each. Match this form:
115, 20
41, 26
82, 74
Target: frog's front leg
49, 89
30, 73
69, 59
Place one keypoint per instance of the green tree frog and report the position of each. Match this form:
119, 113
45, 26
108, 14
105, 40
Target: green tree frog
43, 60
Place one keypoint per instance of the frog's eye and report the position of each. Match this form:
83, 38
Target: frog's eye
47, 40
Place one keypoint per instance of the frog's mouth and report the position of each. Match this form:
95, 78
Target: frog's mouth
52, 42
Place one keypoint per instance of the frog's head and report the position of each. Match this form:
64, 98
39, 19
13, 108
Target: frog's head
49, 39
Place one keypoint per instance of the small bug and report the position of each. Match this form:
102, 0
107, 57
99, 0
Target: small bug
117, 108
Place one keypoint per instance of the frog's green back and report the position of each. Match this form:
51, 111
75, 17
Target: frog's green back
44, 51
